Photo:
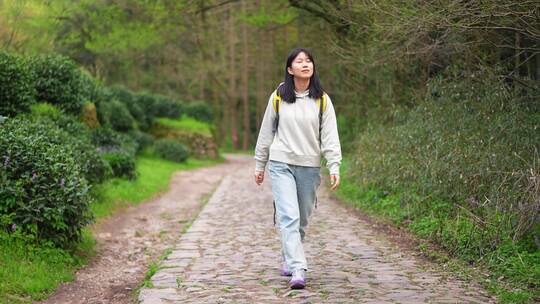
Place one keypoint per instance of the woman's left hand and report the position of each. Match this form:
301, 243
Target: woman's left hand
334, 181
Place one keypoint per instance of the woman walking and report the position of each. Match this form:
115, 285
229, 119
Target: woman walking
299, 126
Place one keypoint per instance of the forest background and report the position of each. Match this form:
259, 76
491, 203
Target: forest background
437, 101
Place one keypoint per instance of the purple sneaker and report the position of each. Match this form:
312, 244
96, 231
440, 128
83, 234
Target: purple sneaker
298, 280
285, 271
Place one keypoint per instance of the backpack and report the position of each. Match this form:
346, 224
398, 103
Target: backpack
321, 103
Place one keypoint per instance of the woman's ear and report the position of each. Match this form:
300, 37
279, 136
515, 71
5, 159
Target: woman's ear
290, 71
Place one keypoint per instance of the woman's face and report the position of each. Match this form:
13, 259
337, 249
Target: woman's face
301, 66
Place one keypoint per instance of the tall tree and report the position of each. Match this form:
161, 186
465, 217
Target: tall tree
244, 84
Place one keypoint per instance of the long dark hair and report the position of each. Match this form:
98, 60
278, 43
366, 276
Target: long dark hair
286, 89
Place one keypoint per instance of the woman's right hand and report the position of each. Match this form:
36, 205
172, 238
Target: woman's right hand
259, 177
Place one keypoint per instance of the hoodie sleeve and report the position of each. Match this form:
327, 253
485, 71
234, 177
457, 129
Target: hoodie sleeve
330, 146
266, 136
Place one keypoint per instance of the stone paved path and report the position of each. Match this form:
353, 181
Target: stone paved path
231, 254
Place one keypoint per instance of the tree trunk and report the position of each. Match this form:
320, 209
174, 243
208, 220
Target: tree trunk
232, 83
245, 72
517, 52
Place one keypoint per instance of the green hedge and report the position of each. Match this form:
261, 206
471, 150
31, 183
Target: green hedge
146, 102
43, 191
118, 150
116, 115
17, 89
200, 111
167, 107
121, 162
94, 167
59, 81
171, 150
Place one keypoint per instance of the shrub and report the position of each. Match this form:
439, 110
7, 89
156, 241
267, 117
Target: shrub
43, 109
121, 162
473, 143
16, 81
92, 89
116, 115
59, 81
200, 111
93, 166
107, 139
42, 187
171, 150
130, 100
142, 139
146, 102
167, 107
118, 150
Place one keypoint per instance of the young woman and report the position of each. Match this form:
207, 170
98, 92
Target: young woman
292, 139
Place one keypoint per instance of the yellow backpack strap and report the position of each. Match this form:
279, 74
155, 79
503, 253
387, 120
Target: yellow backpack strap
321, 104
276, 101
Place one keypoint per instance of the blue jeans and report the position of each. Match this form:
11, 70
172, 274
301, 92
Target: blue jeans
294, 189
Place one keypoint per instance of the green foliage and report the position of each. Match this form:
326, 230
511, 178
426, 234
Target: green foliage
93, 166
108, 139
186, 124
118, 150
122, 163
116, 115
200, 111
459, 169
43, 109
146, 102
167, 107
92, 89
60, 82
142, 139
18, 92
42, 186
171, 150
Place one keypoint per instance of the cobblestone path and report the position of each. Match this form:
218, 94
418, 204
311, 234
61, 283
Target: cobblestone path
231, 254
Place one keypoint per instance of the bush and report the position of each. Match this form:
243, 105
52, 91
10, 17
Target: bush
92, 89
146, 103
473, 143
106, 139
142, 139
200, 111
94, 168
42, 186
130, 100
118, 150
43, 109
16, 81
121, 162
171, 150
116, 115
166, 107
59, 81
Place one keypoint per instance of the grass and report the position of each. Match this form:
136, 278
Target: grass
154, 175
187, 124
30, 271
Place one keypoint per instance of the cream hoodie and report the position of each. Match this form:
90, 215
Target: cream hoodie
296, 141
